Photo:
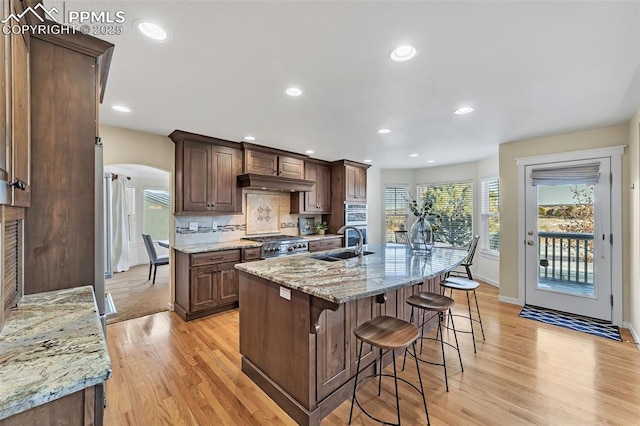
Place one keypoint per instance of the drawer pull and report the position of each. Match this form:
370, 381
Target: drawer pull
216, 258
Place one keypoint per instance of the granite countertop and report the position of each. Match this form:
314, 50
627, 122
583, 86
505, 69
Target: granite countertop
51, 346
316, 237
390, 267
227, 245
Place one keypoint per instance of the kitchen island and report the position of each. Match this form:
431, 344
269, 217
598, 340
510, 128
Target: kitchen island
298, 313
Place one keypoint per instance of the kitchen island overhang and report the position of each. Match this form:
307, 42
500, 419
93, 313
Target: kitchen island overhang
297, 316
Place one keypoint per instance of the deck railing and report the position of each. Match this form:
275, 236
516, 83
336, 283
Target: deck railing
566, 256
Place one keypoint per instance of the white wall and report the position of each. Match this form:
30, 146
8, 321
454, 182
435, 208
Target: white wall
375, 209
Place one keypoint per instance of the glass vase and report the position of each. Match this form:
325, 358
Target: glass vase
421, 236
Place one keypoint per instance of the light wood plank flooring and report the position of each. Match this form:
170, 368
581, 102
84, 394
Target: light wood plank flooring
168, 372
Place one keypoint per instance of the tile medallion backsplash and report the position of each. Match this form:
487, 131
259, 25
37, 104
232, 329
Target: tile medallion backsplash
235, 227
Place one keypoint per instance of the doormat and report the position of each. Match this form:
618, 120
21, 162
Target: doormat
574, 322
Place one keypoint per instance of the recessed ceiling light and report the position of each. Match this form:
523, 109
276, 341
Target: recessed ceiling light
249, 138
413, 155
121, 108
309, 151
367, 161
431, 161
384, 131
293, 91
151, 30
463, 110
403, 53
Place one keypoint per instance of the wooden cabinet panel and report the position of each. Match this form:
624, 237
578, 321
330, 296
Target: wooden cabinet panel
262, 163
252, 253
214, 257
203, 288
323, 183
20, 121
325, 244
311, 197
223, 178
361, 184
332, 351
318, 200
362, 310
5, 143
290, 167
196, 170
228, 283
351, 183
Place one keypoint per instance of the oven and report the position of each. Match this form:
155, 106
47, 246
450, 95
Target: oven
355, 214
351, 236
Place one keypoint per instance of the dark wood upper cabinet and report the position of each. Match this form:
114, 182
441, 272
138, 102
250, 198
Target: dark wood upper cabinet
348, 185
206, 173
356, 184
290, 167
318, 200
262, 163
266, 161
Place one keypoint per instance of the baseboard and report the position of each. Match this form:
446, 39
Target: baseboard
510, 300
633, 332
171, 307
487, 280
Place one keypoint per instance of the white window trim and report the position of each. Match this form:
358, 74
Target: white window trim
484, 252
407, 221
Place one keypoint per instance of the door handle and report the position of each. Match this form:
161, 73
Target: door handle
530, 242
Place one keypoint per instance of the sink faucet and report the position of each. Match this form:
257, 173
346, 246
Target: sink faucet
358, 249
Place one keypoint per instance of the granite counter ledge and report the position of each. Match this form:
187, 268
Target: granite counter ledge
206, 247
51, 346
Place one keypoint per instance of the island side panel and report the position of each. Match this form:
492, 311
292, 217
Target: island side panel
274, 336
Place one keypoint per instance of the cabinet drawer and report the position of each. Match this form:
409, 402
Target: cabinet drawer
251, 254
214, 257
326, 244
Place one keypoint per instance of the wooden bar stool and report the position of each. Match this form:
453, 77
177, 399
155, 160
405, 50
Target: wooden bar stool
466, 285
387, 334
435, 303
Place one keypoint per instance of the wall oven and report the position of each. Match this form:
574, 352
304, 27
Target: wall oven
355, 214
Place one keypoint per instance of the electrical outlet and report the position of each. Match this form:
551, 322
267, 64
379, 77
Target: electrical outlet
193, 226
214, 226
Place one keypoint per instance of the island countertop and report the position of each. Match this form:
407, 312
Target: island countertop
391, 266
51, 346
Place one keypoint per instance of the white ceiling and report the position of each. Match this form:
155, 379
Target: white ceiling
528, 68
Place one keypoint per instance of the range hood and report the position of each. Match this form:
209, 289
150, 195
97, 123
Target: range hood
274, 183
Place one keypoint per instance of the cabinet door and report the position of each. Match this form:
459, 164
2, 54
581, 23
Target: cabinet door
332, 351
203, 292
351, 180
362, 310
311, 197
223, 185
261, 163
5, 194
196, 172
290, 167
361, 184
228, 283
20, 122
323, 184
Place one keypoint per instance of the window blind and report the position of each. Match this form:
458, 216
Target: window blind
395, 210
452, 211
490, 212
572, 175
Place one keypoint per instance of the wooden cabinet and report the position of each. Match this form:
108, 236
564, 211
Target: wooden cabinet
206, 172
251, 254
67, 83
15, 150
356, 184
348, 185
264, 161
318, 200
326, 244
206, 282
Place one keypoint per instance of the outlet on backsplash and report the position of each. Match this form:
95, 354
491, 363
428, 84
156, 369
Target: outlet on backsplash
193, 226
214, 226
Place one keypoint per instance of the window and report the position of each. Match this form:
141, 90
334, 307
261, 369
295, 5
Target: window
490, 205
156, 213
395, 211
452, 211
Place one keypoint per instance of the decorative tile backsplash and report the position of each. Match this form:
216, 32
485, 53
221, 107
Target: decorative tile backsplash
234, 227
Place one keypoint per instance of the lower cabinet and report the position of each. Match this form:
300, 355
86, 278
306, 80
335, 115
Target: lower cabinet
206, 283
325, 244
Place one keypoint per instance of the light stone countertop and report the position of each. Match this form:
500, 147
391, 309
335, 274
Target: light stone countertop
390, 267
316, 237
227, 245
51, 346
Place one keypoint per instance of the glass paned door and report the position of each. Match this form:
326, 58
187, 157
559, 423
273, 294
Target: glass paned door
568, 251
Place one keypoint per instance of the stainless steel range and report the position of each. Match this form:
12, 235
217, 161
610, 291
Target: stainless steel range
280, 245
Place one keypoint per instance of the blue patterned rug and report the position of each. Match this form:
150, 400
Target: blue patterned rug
574, 322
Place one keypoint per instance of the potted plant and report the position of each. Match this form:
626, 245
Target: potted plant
320, 227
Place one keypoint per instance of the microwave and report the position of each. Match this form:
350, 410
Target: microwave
351, 236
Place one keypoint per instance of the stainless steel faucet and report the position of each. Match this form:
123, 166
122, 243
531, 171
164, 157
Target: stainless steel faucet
358, 249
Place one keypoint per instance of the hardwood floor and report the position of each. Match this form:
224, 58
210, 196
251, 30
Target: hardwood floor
135, 296
168, 372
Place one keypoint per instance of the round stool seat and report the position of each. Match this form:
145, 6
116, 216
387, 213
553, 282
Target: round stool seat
430, 301
458, 283
387, 333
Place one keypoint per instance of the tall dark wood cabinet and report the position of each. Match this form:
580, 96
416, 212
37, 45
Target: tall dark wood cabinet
318, 200
348, 185
68, 74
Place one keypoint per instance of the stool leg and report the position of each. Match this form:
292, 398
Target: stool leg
380, 377
355, 384
473, 336
453, 325
475, 296
404, 360
444, 359
395, 379
424, 400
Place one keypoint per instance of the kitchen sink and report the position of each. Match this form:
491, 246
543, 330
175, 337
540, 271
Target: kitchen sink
334, 257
